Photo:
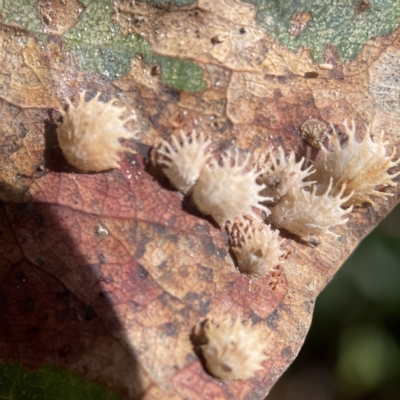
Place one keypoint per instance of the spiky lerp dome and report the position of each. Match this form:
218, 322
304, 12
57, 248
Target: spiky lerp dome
183, 160
361, 165
89, 133
307, 214
233, 350
258, 249
283, 175
229, 191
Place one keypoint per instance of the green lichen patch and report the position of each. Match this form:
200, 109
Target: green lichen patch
47, 383
22, 12
100, 46
98, 42
345, 24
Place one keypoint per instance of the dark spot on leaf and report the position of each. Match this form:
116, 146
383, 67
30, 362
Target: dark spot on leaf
183, 272
164, 232
311, 75
11, 144
209, 246
221, 252
155, 70
200, 302
307, 306
141, 247
106, 298
191, 296
20, 177
255, 318
88, 312
46, 19
169, 301
337, 73
205, 307
282, 79
174, 94
287, 353
163, 265
277, 94
171, 328
102, 258
205, 274
135, 304
272, 320
143, 274
40, 170
215, 40
154, 120
222, 126
22, 130
185, 312
342, 239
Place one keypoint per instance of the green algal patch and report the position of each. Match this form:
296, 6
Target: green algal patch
47, 383
182, 75
345, 24
22, 12
99, 45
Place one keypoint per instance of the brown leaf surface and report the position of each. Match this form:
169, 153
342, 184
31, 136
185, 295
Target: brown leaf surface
107, 274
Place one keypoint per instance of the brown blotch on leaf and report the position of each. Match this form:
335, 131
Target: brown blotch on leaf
299, 22
361, 6
331, 55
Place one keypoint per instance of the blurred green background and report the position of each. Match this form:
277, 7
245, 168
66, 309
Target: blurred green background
352, 351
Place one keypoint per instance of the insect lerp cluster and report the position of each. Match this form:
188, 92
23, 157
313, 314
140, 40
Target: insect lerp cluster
251, 199
304, 200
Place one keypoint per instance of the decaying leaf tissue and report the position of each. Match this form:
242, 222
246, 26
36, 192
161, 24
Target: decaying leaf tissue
171, 243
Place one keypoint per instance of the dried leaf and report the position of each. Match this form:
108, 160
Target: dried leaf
107, 274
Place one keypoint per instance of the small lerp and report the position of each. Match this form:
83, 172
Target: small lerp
233, 350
